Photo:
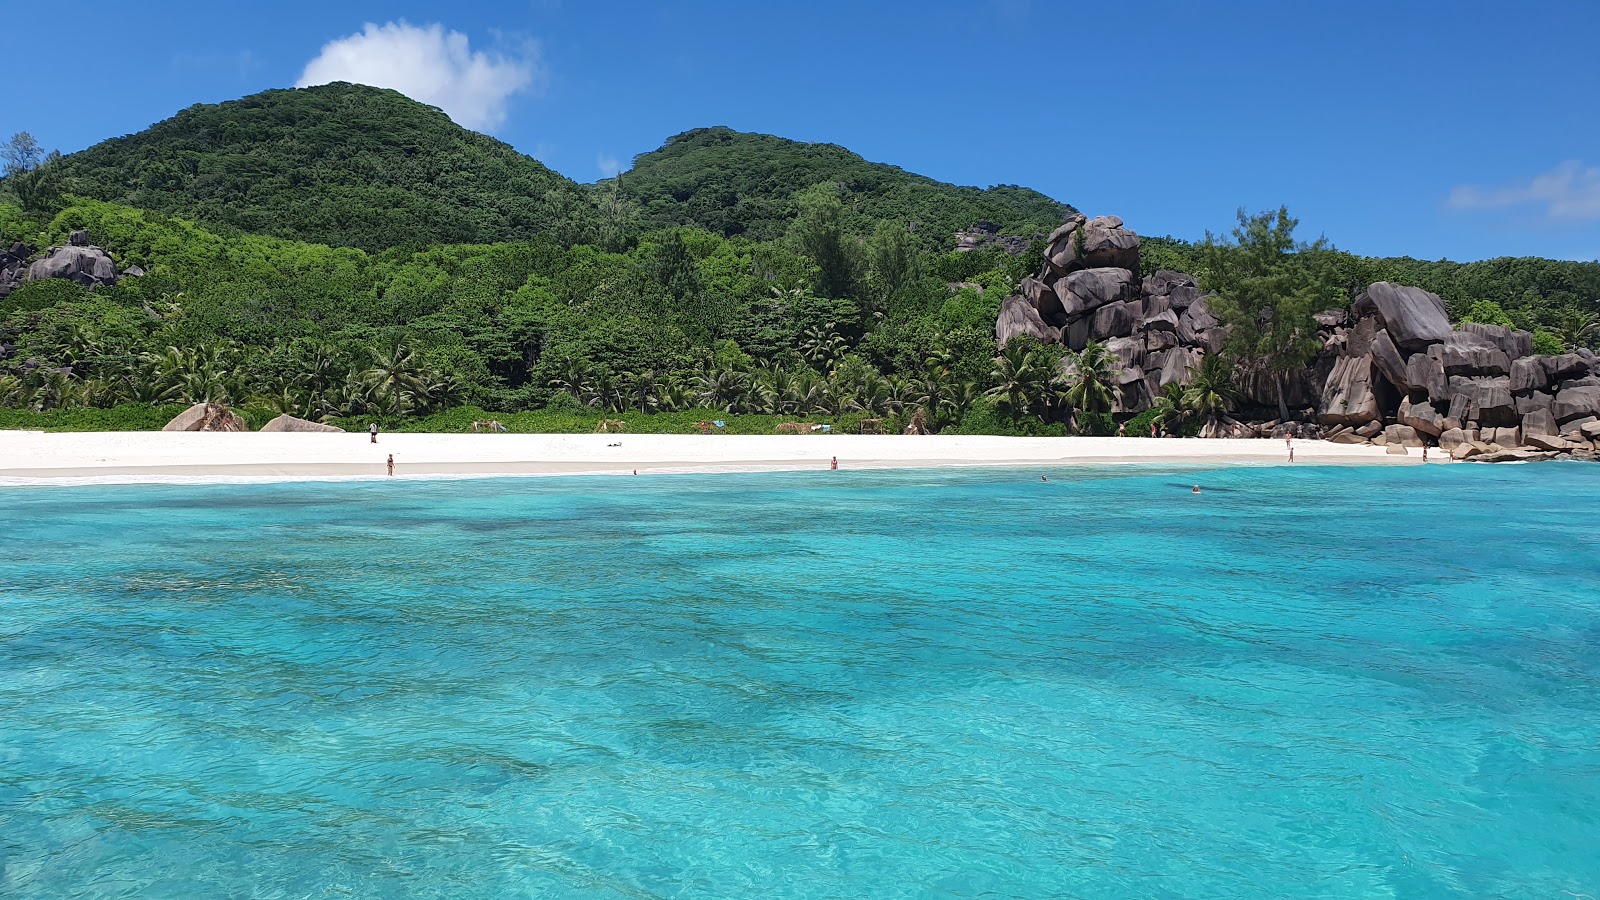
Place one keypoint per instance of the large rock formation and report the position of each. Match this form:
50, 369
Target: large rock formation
206, 417
78, 261
1391, 367
288, 423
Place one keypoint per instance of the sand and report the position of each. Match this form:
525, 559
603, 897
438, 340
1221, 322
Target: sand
28, 456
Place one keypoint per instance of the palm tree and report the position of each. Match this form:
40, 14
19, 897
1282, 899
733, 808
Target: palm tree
1577, 329
1092, 379
822, 347
1211, 392
572, 378
722, 388
1170, 408
673, 396
395, 375
1021, 379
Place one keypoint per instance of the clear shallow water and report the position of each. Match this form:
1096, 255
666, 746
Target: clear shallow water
1333, 682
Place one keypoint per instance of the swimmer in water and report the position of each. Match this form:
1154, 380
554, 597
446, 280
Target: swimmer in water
1196, 489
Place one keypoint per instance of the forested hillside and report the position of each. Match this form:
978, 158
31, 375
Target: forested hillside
340, 164
735, 183
343, 252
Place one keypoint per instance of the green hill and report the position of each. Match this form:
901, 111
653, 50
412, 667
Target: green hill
340, 164
736, 183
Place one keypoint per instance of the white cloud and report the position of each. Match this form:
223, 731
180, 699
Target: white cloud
607, 164
429, 64
1568, 193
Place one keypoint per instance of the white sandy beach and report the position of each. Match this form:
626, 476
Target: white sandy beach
135, 456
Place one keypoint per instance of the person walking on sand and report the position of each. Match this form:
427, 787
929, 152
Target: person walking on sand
373, 430
391, 464
1122, 430
1152, 429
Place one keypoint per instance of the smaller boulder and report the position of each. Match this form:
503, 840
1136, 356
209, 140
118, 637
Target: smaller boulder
288, 423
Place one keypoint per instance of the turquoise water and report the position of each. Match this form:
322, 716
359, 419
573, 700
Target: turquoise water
1304, 682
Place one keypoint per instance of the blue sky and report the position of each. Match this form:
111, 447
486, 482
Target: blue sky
1433, 129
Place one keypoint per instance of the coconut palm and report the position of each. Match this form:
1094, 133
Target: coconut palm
572, 378
1091, 379
1022, 379
1578, 329
1211, 393
395, 375
722, 388
1170, 408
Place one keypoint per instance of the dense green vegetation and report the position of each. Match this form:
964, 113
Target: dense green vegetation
734, 183
346, 254
339, 164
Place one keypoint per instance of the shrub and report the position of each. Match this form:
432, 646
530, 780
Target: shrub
985, 417
1547, 344
42, 294
1097, 423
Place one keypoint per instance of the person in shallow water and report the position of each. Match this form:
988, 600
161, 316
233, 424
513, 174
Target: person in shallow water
1196, 489
835, 463
391, 464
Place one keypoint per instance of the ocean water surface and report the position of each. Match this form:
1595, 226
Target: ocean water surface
1337, 682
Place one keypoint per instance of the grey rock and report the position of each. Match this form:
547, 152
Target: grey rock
1420, 416
1527, 403
1176, 365
1451, 438
1491, 401
1370, 429
1397, 449
1468, 354
88, 266
1413, 317
1539, 421
1514, 343
1546, 442
1042, 297
1403, 435
1087, 290
1576, 403
1164, 321
1347, 397
206, 417
1129, 351
1528, 374
1160, 340
1388, 360
1183, 296
1104, 244
1017, 317
1332, 318
1425, 375
288, 423
1565, 366
1115, 320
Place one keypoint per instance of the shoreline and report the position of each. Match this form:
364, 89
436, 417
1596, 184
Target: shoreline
34, 457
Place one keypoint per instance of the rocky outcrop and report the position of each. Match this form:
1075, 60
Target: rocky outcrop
1098, 243
1017, 317
1413, 317
206, 417
1391, 366
288, 423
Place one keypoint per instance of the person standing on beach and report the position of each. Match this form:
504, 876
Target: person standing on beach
835, 463
1122, 430
373, 430
1152, 429
1288, 444
391, 465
